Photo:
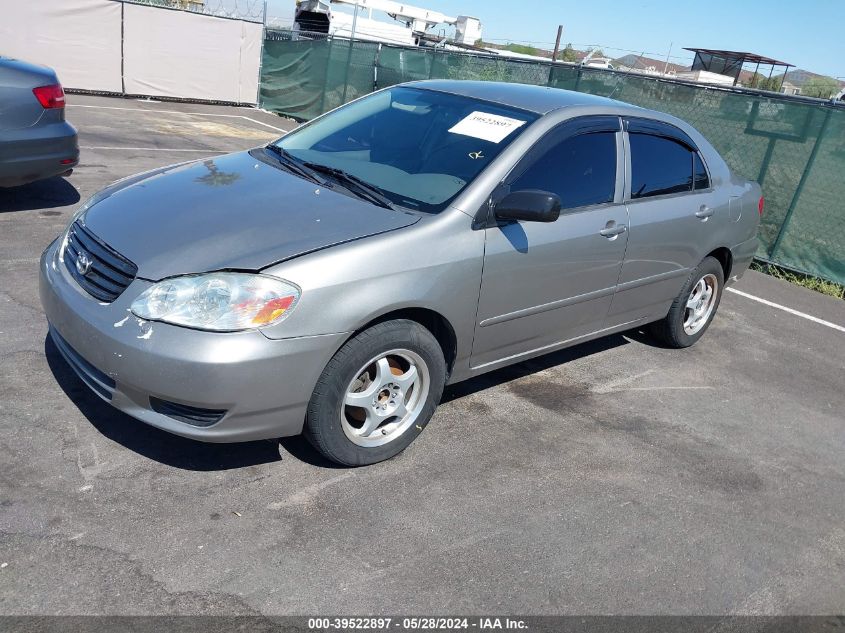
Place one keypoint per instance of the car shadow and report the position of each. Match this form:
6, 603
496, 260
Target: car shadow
515, 234
533, 366
641, 335
300, 448
149, 441
43, 194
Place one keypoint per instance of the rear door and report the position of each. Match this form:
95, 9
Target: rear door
545, 283
672, 216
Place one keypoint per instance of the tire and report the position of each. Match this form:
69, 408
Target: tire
682, 326
396, 371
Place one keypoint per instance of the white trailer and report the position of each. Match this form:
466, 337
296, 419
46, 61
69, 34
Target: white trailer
317, 16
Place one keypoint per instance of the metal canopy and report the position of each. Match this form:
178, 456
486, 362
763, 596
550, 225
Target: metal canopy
730, 63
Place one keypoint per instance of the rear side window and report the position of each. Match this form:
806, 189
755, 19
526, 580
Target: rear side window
580, 169
660, 166
702, 181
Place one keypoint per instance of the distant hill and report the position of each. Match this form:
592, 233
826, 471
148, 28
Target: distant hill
640, 62
799, 77
523, 49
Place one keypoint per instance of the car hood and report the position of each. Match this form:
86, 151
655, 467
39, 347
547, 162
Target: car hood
228, 212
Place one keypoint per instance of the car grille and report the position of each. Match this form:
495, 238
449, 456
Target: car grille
185, 413
99, 383
101, 271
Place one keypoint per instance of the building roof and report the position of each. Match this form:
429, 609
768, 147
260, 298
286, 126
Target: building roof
740, 55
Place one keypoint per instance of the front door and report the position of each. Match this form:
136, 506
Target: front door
546, 283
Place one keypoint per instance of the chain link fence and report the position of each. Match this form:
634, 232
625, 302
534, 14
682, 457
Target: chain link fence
794, 147
247, 10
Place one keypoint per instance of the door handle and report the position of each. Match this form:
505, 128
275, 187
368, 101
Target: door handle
613, 231
704, 212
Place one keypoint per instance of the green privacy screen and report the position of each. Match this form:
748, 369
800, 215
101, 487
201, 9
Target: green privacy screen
794, 148
304, 78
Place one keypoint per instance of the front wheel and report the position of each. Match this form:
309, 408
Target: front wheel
376, 394
694, 307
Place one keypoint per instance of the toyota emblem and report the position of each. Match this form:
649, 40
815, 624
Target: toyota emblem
83, 264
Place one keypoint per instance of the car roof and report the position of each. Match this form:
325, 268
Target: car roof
538, 99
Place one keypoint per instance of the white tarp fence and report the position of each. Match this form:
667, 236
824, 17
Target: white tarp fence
111, 46
80, 39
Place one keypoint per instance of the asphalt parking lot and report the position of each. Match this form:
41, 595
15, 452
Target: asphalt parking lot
613, 477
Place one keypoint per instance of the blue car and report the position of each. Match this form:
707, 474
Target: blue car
35, 140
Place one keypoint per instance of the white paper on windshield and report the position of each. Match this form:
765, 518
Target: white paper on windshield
486, 126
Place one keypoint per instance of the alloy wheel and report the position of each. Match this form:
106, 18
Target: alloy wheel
385, 398
700, 303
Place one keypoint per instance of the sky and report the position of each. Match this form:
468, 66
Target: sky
809, 34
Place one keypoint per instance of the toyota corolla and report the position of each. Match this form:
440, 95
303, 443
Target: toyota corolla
333, 282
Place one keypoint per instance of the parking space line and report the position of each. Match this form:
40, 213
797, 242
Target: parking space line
158, 149
778, 306
227, 116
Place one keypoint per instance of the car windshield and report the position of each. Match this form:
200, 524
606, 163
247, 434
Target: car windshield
420, 148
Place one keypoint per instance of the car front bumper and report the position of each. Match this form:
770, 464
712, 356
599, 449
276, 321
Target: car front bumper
37, 152
262, 385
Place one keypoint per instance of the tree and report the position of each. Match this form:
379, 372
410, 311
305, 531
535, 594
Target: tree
822, 87
215, 177
755, 82
522, 49
761, 82
569, 54
771, 84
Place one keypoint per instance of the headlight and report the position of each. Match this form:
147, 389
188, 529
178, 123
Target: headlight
222, 302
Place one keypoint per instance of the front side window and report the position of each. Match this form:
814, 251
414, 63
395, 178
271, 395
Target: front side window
581, 170
421, 148
659, 166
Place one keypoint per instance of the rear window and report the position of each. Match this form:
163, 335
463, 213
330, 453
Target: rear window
661, 166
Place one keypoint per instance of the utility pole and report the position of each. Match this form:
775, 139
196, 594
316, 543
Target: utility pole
349, 56
557, 42
666, 66
354, 22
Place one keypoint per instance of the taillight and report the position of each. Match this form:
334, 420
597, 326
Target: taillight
50, 96
760, 204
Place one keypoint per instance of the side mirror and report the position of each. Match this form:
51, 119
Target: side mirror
530, 205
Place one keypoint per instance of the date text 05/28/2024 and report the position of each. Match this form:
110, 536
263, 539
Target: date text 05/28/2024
416, 623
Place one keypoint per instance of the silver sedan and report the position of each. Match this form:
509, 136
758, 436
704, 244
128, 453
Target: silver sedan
333, 282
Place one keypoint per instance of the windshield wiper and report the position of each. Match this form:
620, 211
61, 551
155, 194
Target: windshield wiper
354, 184
292, 164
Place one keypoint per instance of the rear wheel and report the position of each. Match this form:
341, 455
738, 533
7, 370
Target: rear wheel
694, 307
376, 394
